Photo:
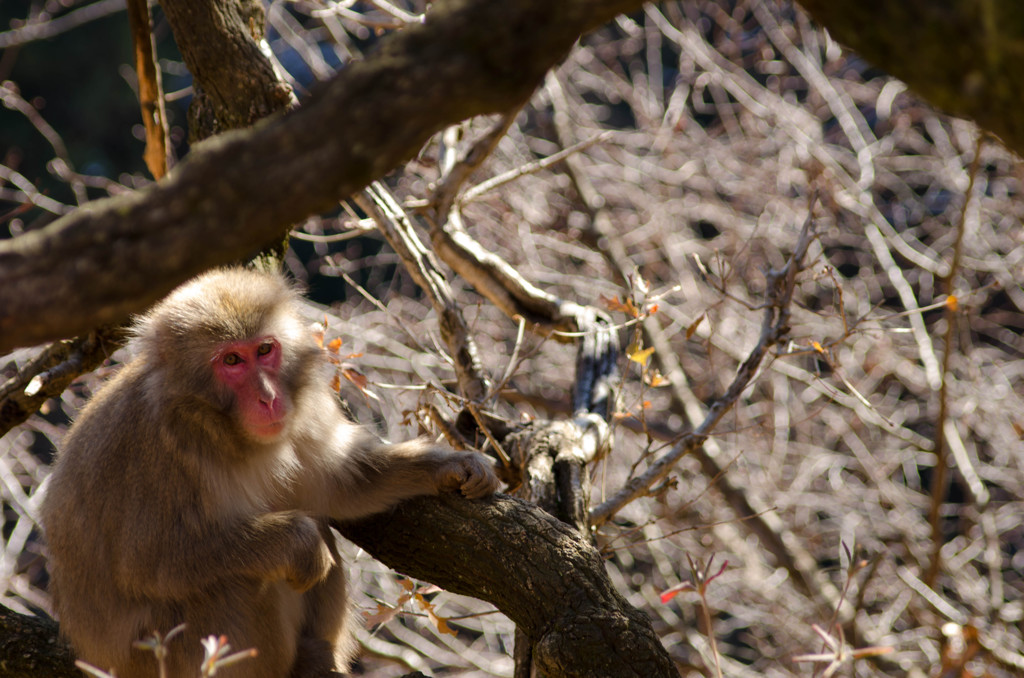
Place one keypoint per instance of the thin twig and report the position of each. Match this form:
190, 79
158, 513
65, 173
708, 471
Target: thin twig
483, 187
774, 327
43, 30
63, 168
940, 479
447, 190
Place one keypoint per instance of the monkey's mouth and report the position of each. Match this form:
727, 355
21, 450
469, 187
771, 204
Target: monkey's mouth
268, 431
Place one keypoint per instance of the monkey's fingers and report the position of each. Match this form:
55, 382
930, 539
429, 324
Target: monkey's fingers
480, 480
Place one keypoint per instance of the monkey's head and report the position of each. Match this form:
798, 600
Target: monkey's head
230, 340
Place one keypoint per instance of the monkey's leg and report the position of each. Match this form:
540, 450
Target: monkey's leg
326, 643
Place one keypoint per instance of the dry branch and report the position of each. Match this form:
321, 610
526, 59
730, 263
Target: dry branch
51, 371
397, 228
774, 329
504, 550
960, 54
151, 92
239, 191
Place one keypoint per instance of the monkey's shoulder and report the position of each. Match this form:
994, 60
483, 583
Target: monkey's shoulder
116, 421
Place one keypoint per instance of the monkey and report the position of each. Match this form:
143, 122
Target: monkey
196, 485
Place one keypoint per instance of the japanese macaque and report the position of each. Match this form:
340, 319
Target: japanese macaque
196, 487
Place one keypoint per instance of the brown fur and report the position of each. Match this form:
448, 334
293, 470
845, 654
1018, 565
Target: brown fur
161, 511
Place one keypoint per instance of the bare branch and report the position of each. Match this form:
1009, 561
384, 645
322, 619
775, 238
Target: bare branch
151, 91
42, 30
51, 371
774, 327
240, 191
397, 228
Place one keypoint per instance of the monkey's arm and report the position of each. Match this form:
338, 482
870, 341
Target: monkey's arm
371, 477
286, 545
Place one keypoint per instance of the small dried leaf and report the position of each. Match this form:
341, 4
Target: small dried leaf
318, 330
694, 325
654, 378
382, 615
614, 304
641, 356
358, 379
951, 302
441, 623
336, 384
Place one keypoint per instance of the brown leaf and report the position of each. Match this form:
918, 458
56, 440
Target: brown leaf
694, 325
382, 615
614, 304
441, 623
356, 377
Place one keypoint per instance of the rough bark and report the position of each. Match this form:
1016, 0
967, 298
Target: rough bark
235, 82
51, 371
537, 570
242, 189
964, 56
534, 568
30, 648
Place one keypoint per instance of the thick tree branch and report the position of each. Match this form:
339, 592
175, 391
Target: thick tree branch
504, 550
962, 55
235, 82
31, 648
51, 371
241, 190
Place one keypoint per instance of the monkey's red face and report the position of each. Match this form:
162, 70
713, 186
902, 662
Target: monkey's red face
251, 369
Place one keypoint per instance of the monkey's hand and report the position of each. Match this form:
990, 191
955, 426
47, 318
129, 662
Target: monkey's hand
311, 556
468, 472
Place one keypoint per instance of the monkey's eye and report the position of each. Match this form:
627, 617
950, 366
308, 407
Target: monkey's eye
265, 348
232, 359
